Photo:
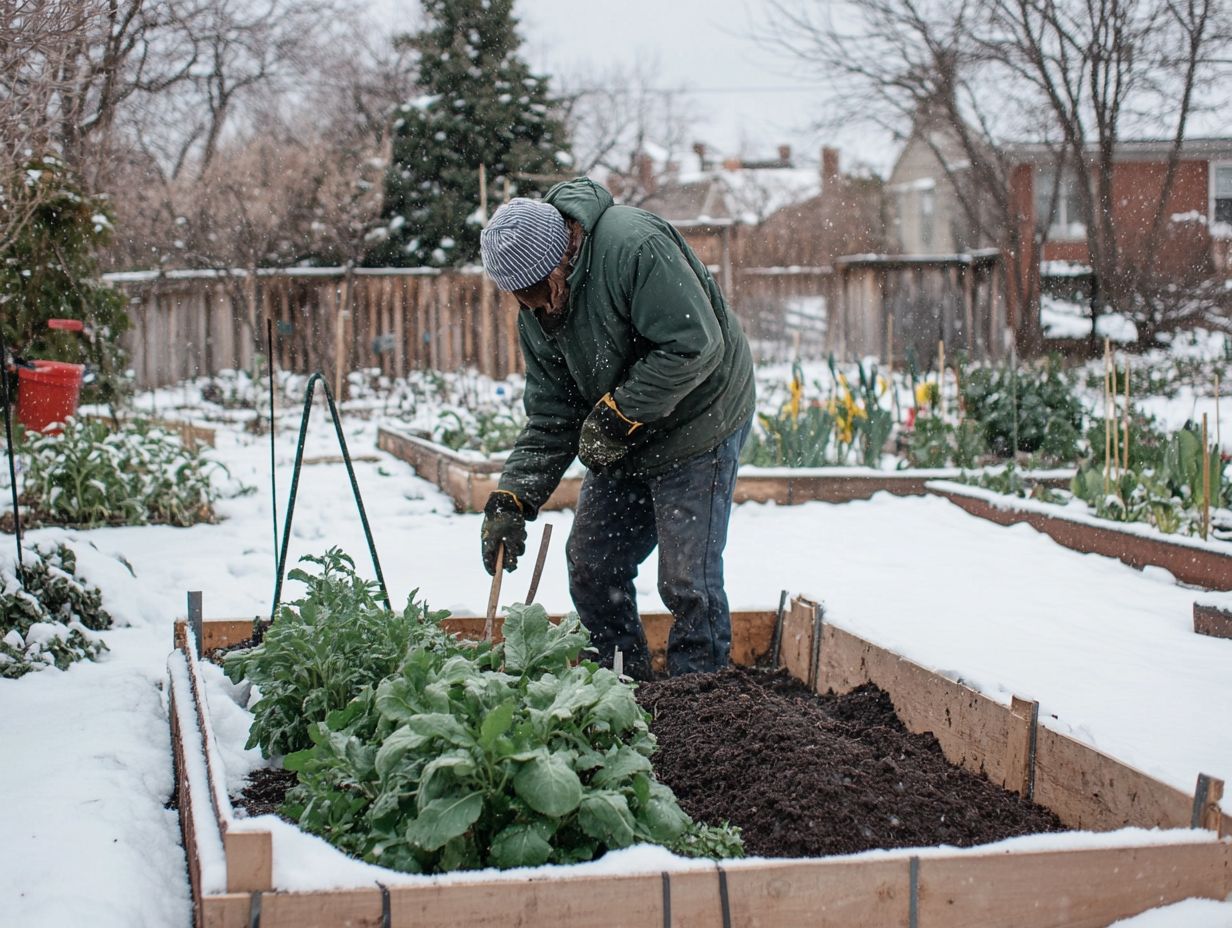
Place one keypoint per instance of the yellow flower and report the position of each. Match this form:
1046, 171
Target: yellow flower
882, 386
925, 393
797, 392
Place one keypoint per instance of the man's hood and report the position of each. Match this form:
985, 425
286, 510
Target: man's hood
581, 199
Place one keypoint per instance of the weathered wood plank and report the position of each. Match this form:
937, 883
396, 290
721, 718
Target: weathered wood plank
1069, 889
250, 861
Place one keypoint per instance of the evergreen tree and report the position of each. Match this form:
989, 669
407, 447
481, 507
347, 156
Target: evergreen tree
481, 105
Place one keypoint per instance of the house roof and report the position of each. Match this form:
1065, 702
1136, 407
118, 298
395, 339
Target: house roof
747, 195
1208, 148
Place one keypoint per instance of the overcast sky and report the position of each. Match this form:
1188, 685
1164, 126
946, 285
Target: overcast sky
750, 102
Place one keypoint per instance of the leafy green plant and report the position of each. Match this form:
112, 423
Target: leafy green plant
427, 754
787, 440
1162, 487
877, 423
483, 430
49, 619
92, 475
324, 649
516, 755
1032, 410
1013, 482
935, 442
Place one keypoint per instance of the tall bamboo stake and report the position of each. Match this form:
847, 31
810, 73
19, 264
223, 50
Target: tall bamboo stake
1108, 422
1218, 434
941, 378
1116, 427
1206, 482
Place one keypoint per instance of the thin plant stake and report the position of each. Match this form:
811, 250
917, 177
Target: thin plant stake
1125, 420
269, 347
1116, 427
494, 593
941, 378
12, 456
1219, 438
1108, 422
1206, 482
539, 562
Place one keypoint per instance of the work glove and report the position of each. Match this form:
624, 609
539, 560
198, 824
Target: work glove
503, 523
605, 435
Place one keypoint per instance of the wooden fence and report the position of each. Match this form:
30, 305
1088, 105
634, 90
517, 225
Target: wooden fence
958, 299
197, 323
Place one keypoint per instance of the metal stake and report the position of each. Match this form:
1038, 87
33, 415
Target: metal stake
8, 435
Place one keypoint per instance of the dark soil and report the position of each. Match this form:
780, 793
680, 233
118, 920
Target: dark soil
806, 775
265, 790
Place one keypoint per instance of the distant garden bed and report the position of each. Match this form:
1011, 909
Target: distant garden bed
468, 478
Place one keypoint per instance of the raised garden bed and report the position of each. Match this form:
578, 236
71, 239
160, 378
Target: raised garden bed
1067, 881
1206, 564
1212, 620
469, 481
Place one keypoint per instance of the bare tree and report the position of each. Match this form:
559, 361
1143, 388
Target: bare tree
621, 118
970, 76
913, 66
1102, 66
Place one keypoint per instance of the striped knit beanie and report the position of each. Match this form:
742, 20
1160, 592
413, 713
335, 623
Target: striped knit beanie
523, 243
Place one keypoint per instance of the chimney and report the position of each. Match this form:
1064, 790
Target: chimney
645, 172
829, 166
785, 155
699, 148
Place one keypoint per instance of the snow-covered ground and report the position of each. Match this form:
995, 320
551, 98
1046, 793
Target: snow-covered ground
1107, 650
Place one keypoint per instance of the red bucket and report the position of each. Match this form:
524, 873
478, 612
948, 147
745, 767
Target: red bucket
48, 393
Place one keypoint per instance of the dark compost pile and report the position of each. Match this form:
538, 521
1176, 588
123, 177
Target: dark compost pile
806, 775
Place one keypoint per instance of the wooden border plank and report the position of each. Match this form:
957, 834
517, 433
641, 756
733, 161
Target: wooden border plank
1212, 621
1088, 789
1069, 889
825, 894
250, 861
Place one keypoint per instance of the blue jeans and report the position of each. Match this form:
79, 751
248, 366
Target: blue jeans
618, 523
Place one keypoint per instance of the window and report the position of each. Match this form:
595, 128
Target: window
1221, 199
928, 209
1065, 220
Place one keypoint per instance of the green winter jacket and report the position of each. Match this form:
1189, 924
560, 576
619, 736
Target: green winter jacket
646, 322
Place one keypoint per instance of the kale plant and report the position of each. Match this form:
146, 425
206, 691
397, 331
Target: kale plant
506, 756
1025, 409
91, 475
49, 620
324, 649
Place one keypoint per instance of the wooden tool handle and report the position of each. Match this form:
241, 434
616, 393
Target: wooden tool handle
539, 561
494, 594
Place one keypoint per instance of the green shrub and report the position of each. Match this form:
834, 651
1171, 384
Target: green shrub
1032, 410
484, 430
93, 475
49, 270
50, 620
